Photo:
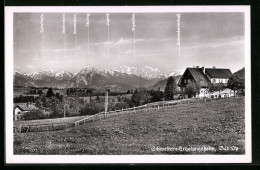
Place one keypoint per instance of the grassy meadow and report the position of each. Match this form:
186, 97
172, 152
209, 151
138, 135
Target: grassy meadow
218, 124
48, 121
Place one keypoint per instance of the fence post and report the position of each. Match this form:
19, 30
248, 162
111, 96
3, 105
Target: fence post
158, 107
93, 118
27, 129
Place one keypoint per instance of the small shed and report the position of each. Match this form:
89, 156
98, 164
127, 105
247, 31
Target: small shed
20, 109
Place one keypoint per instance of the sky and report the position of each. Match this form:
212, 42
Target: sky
206, 39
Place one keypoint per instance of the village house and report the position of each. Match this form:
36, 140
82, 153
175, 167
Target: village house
21, 108
205, 76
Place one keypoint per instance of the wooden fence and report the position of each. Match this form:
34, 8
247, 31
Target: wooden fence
156, 106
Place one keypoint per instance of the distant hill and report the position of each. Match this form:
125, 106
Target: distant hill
240, 73
161, 84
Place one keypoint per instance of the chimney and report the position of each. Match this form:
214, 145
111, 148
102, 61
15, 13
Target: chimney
214, 67
203, 69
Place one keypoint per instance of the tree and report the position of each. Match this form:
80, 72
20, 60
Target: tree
156, 95
192, 89
97, 98
49, 93
59, 96
220, 87
235, 83
40, 92
139, 97
211, 88
170, 89
34, 114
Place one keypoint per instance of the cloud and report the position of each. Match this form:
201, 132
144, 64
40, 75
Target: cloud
233, 41
121, 41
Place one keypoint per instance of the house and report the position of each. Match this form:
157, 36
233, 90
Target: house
204, 76
21, 108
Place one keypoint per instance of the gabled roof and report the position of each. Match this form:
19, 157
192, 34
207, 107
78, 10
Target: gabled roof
204, 79
218, 73
199, 76
23, 106
177, 78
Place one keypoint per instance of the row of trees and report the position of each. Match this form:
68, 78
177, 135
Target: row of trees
25, 99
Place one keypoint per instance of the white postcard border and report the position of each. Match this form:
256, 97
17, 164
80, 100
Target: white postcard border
24, 159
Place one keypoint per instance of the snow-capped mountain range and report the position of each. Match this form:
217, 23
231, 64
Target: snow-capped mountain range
124, 77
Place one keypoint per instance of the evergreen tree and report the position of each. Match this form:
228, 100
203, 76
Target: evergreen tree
170, 89
49, 93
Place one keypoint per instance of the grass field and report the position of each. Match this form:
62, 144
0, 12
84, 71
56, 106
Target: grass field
46, 124
48, 121
215, 127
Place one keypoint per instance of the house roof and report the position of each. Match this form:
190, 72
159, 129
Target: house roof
198, 75
218, 73
204, 79
177, 78
23, 106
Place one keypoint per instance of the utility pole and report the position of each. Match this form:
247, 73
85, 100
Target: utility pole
106, 102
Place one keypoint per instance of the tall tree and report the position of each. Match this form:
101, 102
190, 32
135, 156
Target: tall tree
49, 93
170, 89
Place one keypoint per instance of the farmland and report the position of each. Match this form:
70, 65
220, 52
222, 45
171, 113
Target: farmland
25, 91
215, 124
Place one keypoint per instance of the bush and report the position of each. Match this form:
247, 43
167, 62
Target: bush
121, 105
91, 109
34, 115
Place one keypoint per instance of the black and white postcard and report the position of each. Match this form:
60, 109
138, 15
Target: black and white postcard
128, 84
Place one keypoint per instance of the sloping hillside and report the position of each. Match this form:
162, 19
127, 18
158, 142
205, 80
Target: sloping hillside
240, 73
161, 84
211, 124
